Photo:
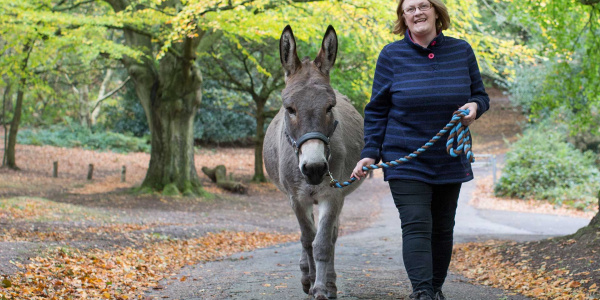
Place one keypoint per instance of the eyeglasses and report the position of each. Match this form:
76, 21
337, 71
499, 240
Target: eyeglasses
413, 10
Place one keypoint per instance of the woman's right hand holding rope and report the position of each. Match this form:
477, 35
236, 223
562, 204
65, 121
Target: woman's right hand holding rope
358, 171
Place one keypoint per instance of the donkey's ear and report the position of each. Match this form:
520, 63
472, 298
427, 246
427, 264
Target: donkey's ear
326, 57
287, 52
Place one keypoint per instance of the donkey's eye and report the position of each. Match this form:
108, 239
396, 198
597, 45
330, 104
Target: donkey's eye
290, 110
329, 108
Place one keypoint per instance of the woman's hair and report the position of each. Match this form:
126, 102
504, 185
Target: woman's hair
442, 22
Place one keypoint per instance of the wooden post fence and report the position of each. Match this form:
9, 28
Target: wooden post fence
90, 171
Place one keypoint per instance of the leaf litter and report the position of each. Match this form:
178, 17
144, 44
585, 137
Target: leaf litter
509, 266
124, 272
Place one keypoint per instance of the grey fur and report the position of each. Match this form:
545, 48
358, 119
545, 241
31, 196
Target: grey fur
308, 95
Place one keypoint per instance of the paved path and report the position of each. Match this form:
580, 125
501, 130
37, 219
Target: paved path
369, 262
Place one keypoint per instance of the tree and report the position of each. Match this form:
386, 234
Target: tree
158, 42
38, 40
567, 33
252, 68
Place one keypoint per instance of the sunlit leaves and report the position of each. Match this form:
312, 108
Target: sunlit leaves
568, 34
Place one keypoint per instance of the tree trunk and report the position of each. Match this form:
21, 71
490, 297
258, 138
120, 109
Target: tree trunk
10, 151
259, 175
95, 106
595, 222
170, 94
170, 91
84, 106
218, 175
592, 229
7, 94
11, 161
172, 153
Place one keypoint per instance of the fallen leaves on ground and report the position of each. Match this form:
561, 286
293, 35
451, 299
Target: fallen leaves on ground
483, 263
74, 233
36, 163
32, 208
124, 273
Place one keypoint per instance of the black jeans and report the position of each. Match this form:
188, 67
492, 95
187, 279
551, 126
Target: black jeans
427, 214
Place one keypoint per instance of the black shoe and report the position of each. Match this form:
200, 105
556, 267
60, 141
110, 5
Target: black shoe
439, 296
420, 295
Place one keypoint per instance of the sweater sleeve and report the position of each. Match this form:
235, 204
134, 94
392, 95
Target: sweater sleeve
478, 94
376, 111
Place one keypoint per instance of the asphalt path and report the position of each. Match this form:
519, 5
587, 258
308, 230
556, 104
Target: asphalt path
368, 263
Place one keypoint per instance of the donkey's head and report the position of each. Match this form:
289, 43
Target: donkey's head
309, 100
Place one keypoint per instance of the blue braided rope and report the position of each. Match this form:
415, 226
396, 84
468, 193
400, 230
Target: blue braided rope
458, 132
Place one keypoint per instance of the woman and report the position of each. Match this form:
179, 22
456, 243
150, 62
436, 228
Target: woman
419, 82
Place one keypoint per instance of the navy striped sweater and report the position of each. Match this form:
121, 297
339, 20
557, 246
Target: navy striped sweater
415, 92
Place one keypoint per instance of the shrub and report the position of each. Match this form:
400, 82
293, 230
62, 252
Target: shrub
71, 136
541, 165
528, 85
222, 118
127, 115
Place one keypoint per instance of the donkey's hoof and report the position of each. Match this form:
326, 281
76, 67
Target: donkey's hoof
320, 293
331, 290
306, 284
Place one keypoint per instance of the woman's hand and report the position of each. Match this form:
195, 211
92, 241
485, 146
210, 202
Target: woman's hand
358, 172
472, 107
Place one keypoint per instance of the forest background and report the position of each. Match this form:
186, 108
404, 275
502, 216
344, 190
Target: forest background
169, 77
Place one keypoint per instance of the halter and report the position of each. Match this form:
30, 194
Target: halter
314, 135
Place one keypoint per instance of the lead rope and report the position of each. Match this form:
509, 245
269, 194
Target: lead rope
461, 133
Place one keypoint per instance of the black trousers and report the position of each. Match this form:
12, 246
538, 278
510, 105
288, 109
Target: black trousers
427, 214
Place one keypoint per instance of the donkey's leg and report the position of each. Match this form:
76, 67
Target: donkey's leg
331, 275
308, 231
324, 245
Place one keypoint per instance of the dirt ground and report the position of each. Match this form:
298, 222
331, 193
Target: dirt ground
79, 207
39, 212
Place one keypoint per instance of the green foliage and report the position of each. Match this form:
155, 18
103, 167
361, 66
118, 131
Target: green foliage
541, 165
529, 85
126, 116
567, 33
221, 119
79, 136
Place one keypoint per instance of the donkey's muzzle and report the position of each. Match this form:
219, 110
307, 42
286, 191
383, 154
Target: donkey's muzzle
314, 172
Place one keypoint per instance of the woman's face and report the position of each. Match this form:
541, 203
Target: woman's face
419, 22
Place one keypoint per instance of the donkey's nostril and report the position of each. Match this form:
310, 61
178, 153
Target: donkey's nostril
314, 172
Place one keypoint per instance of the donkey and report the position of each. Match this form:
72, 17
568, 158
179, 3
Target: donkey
317, 133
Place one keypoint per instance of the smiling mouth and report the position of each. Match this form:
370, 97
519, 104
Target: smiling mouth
420, 21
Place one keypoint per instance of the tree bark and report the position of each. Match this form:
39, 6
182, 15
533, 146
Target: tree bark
95, 107
595, 222
7, 94
259, 175
170, 94
218, 175
11, 161
10, 151
591, 230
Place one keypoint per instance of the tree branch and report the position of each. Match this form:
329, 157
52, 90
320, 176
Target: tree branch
57, 8
248, 72
271, 5
270, 113
111, 93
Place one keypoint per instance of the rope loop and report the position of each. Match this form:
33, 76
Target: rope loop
459, 136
